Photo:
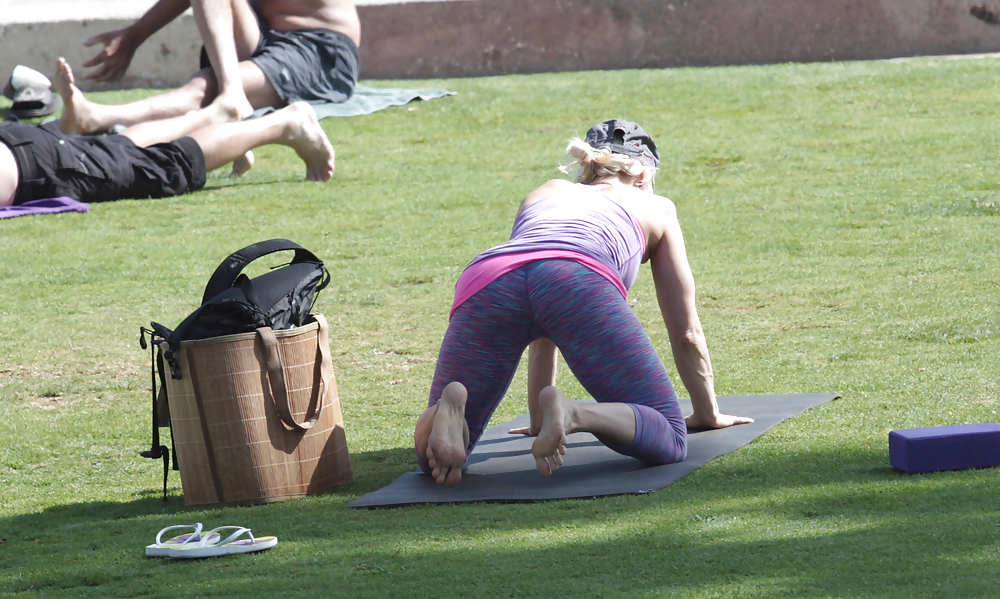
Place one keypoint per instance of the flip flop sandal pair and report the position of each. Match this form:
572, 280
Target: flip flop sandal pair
31, 93
209, 544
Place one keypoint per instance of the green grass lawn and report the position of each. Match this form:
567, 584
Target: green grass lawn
842, 221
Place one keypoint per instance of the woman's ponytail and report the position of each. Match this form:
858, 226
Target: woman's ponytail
594, 164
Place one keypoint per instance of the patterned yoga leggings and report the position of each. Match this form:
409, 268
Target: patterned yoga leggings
597, 334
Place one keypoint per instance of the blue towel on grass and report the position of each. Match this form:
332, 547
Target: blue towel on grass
367, 100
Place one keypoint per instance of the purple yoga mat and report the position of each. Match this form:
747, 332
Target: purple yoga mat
49, 206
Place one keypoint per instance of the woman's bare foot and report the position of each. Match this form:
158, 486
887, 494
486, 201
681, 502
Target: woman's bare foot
79, 115
449, 436
242, 164
307, 138
557, 421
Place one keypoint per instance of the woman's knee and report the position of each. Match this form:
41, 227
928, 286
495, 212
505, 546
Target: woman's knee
659, 438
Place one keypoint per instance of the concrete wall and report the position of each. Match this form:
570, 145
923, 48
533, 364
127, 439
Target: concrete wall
486, 37
461, 38
167, 59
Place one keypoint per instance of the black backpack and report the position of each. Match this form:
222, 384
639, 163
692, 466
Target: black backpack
233, 303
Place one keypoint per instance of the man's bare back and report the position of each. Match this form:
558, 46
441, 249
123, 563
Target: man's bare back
290, 15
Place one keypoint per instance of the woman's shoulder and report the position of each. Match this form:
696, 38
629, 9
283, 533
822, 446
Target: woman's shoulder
645, 205
546, 190
655, 214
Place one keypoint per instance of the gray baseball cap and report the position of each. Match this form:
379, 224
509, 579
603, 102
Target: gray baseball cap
624, 137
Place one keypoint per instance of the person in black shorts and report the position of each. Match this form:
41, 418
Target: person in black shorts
151, 160
257, 53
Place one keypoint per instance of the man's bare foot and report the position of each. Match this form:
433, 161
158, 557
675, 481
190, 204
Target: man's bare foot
78, 115
557, 422
309, 141
449, 436
242, 164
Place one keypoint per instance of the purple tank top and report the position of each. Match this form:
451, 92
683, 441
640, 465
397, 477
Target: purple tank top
582, 220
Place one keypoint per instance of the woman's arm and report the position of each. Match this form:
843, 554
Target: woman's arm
542, 357
676, 297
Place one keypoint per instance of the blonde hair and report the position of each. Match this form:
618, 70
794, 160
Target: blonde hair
594, 164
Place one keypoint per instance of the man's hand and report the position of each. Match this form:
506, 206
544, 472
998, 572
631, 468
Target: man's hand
696, 421
985, 14
114, 58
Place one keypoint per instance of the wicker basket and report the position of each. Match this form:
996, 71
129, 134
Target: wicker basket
256, 417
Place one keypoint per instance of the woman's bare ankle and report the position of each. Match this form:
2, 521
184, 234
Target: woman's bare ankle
557, 422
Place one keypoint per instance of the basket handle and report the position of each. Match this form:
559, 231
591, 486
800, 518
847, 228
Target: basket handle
325, 361
276, 375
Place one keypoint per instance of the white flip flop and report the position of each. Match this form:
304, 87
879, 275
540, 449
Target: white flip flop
210, 545
161, 547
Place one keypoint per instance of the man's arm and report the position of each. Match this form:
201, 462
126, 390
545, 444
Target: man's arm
120, 46
985, 14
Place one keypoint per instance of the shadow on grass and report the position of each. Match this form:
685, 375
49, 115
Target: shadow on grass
372, 470
804, 525
375, 469
228, 183
898, 553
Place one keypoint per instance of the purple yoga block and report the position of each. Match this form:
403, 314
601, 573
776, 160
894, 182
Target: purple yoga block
953, 447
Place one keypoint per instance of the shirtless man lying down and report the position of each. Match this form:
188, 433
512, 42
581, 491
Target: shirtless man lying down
256, 53
151, 160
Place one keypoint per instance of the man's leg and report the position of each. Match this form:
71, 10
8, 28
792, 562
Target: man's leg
168, 129
8, 176
83, 117
230, 32
295, 126
80, 116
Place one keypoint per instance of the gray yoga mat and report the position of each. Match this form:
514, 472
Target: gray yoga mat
502, 469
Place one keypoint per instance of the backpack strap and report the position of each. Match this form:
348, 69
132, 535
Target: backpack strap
225, 275
157, 451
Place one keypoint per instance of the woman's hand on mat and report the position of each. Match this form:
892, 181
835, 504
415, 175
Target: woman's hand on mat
715, 421
114, 58
524, 430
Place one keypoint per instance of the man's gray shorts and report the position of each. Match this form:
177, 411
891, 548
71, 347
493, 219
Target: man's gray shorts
312, 65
